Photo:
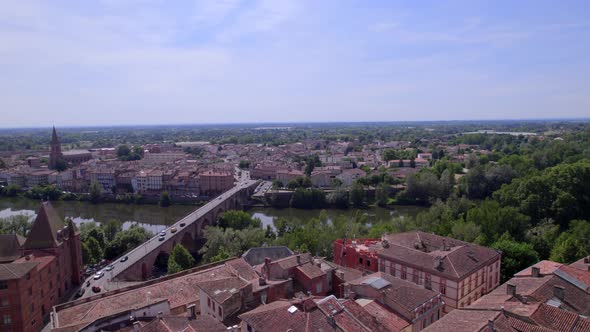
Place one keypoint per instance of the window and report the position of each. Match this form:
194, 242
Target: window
30, 291
209, 302
443, 286
368, 262
360, 260
415, 276
249, 328
482, 278
404, 272
7, 320
219, 311
28, 276
393, 272
3, 285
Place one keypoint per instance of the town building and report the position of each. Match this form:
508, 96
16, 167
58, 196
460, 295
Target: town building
350, 175
462, 272
415, 306
55, 155
38, 272
215, 182
357, 254
547, 296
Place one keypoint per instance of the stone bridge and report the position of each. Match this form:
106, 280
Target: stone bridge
142, 259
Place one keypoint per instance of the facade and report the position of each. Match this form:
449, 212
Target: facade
462, 272
47, 272
357, 254
104, 177
286, 175
215, 182
350, 175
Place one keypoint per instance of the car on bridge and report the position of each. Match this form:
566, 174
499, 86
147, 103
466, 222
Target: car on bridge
110, 267
124, 259
163, 233
182, 224
173, 230
161, 238
96, 289
98, 275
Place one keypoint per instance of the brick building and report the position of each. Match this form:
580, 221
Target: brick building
49, 266
462, 272
215, 182
357, 254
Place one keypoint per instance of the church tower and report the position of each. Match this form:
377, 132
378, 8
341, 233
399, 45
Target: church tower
55, 155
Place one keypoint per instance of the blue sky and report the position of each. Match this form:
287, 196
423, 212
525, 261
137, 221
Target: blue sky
115, 62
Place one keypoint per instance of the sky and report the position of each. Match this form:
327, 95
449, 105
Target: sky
119, 62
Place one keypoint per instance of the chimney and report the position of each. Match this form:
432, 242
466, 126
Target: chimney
298, 259
136, 326
511, 289
267, 260
191, 312
160, 315
587, 260
536, 271
559, 292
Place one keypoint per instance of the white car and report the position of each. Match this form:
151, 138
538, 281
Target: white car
163, 233
98, 275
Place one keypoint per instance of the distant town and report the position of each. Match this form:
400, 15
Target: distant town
499, 242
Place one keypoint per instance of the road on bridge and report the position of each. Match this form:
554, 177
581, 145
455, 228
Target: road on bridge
135, 255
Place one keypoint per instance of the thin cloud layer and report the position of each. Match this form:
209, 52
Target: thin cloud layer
149, 61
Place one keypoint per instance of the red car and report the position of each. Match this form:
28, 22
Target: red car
96, 289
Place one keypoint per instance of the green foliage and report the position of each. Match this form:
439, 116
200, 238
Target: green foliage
516, 255
494, 220
18, 224
165, 199
180, 259
299, 182
111, 228
244, 164
50, 192
127, 154
276, 184
311, 162
238, 220
94, 250
425, 187
310, 198
126, 240
233, 242
10, 190
481, 181
95, 192
561, 193
382, 195
338, 198
572, 244
357, 195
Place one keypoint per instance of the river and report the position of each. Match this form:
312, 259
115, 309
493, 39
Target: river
155, 218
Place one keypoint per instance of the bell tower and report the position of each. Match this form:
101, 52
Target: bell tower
55, 150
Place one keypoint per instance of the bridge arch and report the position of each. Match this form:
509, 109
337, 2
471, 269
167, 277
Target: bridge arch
188, 241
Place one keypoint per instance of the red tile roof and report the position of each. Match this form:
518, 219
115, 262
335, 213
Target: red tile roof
311, 271
270, 316
546, 267
458, 259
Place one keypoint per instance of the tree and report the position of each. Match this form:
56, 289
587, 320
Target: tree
276, 184
244, 164
95, 192
180, 259
382, 195
357, 195
111, 228
17, 224
238, 220
494, 220
234, 242
164, 199
338, 198
94, 250
572, 244
123, 151
516, 256
413, 163
61, 165
2, 164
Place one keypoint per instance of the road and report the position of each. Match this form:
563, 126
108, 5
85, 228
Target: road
242, 181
